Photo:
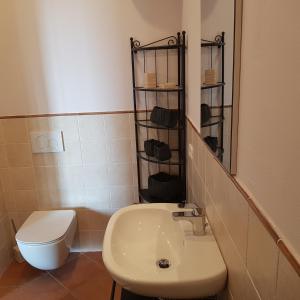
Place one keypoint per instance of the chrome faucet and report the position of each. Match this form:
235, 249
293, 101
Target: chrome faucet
195, 215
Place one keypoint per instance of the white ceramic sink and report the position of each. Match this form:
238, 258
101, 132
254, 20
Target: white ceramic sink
139, 235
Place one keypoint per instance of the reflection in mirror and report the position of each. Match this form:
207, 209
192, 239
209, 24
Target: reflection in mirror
220, 48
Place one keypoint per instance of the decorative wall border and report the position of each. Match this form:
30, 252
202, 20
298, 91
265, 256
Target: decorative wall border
69, 114
283, 247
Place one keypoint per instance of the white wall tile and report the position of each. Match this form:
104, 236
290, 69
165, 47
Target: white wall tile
239, 281
117, 126
61, 198
26, 200
2, 139
15, 131
120, 174
94, 152
3, 157
97, 198
234, 211
22, 178
19, 155
95, 176
262, 258
288, 281
91, 128
121, 196
66, 177
120, 150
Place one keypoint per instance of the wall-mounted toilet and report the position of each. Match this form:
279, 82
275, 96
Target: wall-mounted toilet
46, 237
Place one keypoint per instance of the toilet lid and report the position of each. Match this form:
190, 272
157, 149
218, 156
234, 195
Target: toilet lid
43, 227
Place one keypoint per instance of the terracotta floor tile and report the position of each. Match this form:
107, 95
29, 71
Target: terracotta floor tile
18, 274
44, 287
95, 288
8, 293
84, 278
95, 256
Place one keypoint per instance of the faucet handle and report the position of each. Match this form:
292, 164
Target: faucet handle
187, 205
196, 210
199, 212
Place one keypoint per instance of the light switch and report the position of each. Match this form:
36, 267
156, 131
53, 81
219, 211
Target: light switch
47, 141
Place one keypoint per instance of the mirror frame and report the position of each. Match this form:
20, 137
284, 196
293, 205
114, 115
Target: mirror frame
238, 20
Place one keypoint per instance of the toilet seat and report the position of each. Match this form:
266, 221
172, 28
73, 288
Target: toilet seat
45, 227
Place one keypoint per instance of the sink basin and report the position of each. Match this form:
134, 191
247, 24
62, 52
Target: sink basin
140, 236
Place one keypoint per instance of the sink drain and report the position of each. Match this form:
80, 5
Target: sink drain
163, 263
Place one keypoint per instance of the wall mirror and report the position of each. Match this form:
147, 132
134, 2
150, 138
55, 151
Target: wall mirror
221, 22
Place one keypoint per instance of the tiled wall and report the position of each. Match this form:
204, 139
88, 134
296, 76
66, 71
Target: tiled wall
256, 267
5, 243
96, 174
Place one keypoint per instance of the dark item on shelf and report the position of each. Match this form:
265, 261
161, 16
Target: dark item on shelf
205, 113
149, 146
162, 151
164, 186
212, 142
158, 149
164, 117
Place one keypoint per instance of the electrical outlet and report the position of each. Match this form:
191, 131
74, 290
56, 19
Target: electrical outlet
191, 151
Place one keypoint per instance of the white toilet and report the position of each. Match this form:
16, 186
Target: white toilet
46, 237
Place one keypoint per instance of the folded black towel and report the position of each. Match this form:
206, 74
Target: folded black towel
205, 113
149, 146
165, 187
164, 117
212, 142
157, 149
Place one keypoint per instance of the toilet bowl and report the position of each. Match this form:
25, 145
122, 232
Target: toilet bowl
46, 237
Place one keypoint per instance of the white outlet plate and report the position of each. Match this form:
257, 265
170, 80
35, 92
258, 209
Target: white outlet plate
47, 142
191, 151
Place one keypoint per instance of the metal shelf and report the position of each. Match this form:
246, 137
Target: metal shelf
172, 42
149, 124
219, 42
174, 161
158, 89
213, 121
163, 47
205, 86
211, 44
177, 162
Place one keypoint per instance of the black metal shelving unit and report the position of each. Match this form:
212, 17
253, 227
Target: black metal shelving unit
163, 52
218, 43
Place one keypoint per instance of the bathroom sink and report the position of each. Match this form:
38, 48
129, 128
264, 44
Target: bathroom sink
149, 253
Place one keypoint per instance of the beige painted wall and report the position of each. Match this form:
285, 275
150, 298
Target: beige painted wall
269, 138
61, 56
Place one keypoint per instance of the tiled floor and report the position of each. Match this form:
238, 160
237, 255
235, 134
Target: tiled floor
82, 277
